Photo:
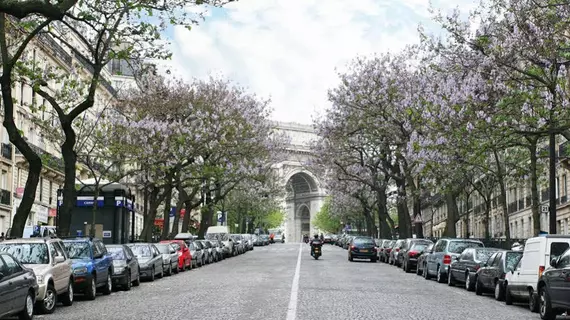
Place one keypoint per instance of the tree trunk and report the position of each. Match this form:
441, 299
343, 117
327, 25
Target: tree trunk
155, 198
94, 210
535, 200
166, 211
69, 192
487, 217
467, 216
416, 204
34, 161
452, 213
182, 198
206, 215
503, 195
404, 220
384, 219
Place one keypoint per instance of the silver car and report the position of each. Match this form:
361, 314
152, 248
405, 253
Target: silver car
169, 258
150, 260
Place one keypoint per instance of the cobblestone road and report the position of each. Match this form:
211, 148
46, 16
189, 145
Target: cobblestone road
258, 285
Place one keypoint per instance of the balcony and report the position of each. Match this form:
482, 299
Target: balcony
104, 82
5, 197
7, 151
48, 160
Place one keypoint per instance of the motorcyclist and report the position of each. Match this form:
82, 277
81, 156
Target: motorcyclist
322, 237
316, 241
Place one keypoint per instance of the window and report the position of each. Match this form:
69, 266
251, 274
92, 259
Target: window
4, 180
50, 192
564, 260
52, 252
10, 265
96, 250
22, 94
5, 137
557, 187
557, 248
497, 261
59, 249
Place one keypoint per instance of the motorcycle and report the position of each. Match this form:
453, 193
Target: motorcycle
306, 239
316, 250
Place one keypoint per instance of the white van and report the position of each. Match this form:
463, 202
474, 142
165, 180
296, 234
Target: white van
520, 284
221, 233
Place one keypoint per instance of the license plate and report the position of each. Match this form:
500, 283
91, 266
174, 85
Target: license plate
364, 250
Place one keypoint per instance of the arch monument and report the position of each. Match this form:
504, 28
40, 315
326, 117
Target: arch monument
305, 194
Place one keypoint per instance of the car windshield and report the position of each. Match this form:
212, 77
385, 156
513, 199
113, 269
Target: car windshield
117, 253
142, 251
364, 242
459, 246
483, 255
163, 248
512, 259
176, 246
217, 236
27, 253
78, 250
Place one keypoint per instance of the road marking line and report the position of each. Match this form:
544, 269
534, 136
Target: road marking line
292, 309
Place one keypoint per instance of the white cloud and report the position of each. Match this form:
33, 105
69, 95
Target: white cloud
288, 49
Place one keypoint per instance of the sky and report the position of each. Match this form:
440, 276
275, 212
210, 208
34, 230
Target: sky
290, 51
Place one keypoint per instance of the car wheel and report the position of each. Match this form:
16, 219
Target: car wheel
499, 291
545, 310
108, 288
129, 283
28, 312
508, 296
440, 278
533, 304
137, 281
468, 285
152, 275
91, 291
478, 286
47, 306
161, 274
450, 280
67, 298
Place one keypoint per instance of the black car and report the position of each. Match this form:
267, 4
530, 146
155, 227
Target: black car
18, 288
125, 267
553, 287
412, 252
362, 248
464, 267
492, 275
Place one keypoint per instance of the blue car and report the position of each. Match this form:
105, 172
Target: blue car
92, 266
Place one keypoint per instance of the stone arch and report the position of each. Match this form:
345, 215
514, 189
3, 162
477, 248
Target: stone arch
301, 182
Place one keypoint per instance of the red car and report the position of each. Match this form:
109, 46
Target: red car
184, 256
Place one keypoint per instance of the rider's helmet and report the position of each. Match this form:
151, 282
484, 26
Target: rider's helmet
316, 236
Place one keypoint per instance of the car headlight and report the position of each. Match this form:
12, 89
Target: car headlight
80, 270
40, 279
118, 270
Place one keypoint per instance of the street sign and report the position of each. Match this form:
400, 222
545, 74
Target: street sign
418, 219
220, 216
544, 209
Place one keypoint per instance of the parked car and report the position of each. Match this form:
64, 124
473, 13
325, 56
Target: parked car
201, 253
420, 264
492, 275
92, 266
393, 257
49, 261
18, 288
521, 283
125, 267
553, 287
184, 254
443, 253
169, 258
362, 248
412, 253
218, 247
463, 268
150, 260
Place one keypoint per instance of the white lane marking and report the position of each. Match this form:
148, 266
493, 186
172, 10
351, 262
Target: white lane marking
292, 309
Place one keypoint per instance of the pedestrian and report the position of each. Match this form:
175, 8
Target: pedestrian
2, 236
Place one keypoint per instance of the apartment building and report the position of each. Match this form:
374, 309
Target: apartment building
472, 224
